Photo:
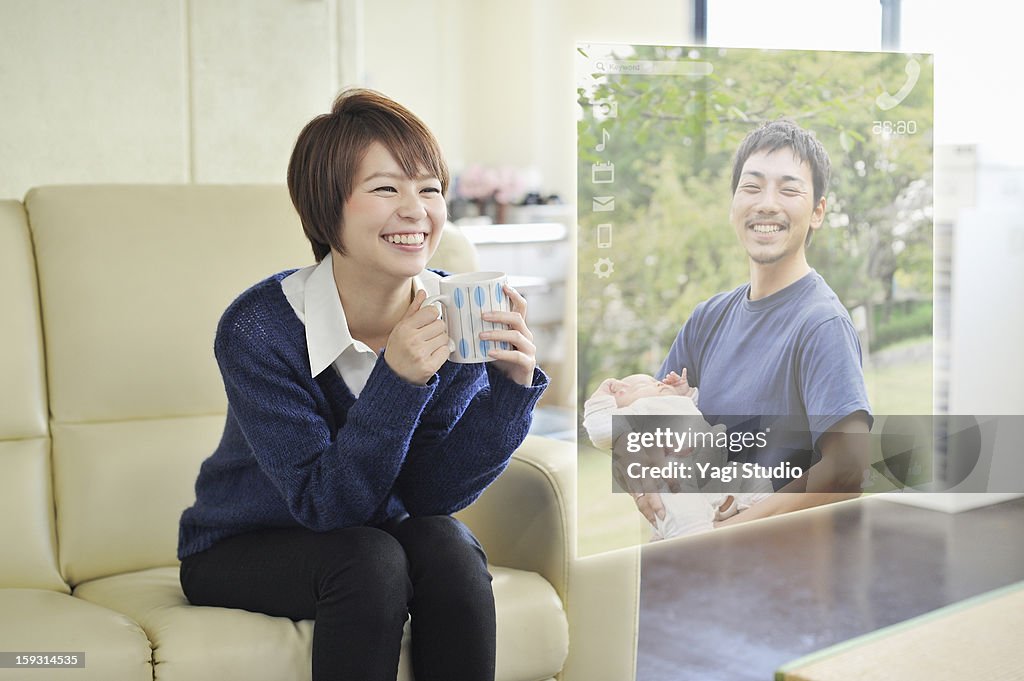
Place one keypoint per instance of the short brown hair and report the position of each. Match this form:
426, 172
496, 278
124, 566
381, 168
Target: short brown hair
779, 134
328, 151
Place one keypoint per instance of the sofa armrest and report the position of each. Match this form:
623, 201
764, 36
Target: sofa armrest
527, 520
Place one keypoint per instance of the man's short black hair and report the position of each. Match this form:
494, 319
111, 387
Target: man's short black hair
780, 134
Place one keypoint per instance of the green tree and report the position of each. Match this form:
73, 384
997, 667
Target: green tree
672, 141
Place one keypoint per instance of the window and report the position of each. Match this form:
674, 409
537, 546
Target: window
794, 24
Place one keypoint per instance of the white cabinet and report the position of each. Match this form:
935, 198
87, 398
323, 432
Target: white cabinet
536, 258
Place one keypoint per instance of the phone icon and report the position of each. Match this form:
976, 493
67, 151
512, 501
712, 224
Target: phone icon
604, 235
885, 101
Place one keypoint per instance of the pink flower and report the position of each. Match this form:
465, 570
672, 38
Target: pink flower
506, 184
476, 183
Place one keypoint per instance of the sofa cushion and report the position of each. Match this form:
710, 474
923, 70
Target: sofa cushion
133, 281
124, 485
195, 643
26, 517
115, 647
27, 530
23, 398
455, 253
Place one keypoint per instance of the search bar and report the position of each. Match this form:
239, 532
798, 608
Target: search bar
644, 67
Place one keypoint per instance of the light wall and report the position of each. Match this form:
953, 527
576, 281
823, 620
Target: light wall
92, 92
158, 91
216, 90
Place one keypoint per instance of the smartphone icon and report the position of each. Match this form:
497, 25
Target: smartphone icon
885, 101
604, 235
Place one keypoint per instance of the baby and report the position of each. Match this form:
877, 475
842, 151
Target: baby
689, 511
638, 394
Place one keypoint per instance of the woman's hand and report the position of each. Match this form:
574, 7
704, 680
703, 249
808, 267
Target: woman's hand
418, 345
518, 363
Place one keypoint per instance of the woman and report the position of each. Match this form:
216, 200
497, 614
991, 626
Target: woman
349, 438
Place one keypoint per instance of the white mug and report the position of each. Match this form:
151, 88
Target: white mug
463, 300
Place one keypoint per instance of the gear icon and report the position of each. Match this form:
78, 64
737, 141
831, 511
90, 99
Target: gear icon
604, 267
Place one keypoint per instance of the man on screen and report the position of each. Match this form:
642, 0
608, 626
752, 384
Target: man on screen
782, 345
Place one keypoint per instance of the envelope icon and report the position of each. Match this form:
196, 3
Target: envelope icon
603, 204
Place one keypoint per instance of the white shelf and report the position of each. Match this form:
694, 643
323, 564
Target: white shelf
536, 258
539, 232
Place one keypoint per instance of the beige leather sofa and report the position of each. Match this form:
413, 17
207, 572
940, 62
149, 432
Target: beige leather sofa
110, 399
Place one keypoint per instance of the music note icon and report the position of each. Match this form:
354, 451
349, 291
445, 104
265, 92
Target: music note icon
604, 138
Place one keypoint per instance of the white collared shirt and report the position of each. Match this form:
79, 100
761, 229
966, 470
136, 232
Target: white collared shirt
313, 295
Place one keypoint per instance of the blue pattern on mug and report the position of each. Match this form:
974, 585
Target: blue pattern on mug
465, 303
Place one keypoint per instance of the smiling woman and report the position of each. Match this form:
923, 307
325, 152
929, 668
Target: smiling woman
331, 492
327, 160
391, 224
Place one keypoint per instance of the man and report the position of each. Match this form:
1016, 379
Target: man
782, 345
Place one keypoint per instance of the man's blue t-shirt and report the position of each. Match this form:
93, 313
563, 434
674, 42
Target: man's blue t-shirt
793, 354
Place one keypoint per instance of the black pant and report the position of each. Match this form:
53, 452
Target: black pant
359, 584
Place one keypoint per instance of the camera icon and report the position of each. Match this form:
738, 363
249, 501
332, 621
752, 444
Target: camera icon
606, 109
